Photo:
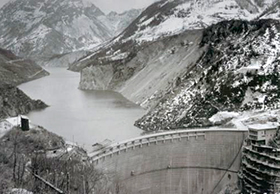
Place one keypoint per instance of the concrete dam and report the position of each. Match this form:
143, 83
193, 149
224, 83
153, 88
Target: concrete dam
177, 162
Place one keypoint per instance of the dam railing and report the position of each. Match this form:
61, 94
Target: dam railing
163, 137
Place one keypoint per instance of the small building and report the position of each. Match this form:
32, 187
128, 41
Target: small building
24, 123
262, 133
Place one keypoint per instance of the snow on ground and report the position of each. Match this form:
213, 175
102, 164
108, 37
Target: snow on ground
256, 117
221, 116
20, 191
268, 125
7, 124
253, 118
190, 15
117, 56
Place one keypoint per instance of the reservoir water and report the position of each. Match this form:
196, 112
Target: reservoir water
84, 117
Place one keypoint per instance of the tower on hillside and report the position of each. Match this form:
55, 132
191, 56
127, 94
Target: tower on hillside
24, 123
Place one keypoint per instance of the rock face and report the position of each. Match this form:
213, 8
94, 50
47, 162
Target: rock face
166, 18
118, 22
14, 102
172, 17
151, 73
39, 29
13, 71
97, 77
157, 69
42, 28
239, 71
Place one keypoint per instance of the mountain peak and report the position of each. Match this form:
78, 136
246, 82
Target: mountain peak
39, 29
171, 17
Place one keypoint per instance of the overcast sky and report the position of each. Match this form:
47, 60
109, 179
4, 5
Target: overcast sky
113, 5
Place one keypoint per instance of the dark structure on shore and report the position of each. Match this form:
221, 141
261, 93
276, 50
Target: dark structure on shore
24, 123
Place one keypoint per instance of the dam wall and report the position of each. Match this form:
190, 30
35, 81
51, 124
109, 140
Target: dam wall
178, 162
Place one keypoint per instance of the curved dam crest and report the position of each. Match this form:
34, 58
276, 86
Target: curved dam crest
178, 162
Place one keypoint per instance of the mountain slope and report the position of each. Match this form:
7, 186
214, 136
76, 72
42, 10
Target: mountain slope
118, 22
151, 66
172, 16
152, 71
39, 29
14, 102
169, 17
239, 71
15, 70
115, 22
272, 12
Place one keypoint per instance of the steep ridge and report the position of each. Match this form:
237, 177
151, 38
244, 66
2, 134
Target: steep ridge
148, 64
169, 17
272, 12
39, 29
118, 22
13, 71
33, 28
152, 72
239, 71
14, 102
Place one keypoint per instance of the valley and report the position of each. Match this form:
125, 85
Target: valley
83, 117
179, 97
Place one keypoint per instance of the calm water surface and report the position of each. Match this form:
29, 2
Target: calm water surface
85, 117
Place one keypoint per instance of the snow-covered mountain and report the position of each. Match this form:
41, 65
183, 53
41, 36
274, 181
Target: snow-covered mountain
161, 59
169, 17
118, 22
39, 29
238, 71
174, 16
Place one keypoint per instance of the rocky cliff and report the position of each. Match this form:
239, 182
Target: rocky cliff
117, 22
13, 71
166, 18
39, 29
238, 71
151, 73
187, 78
14, 102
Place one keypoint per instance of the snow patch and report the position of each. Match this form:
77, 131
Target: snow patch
223, 116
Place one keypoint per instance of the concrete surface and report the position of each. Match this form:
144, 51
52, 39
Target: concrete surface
199, 161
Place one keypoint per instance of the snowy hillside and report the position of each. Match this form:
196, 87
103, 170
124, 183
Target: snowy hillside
173, 16
169, 17
165, 63
39, 29
272, 11
239, 71
118, 22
